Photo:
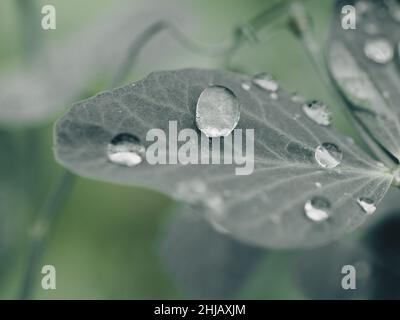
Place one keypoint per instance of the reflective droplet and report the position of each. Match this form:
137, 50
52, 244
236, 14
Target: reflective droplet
125, 149
296, 116
396, 177
274, 96
217, 112
266, 81
379, 50
318, 112
317, 208
246, 85
367, 205
297, 98
318, 184
328, 155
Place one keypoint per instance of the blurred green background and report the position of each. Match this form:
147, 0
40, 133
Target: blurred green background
105, 243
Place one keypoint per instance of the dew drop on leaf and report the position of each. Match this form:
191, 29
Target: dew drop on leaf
125, 149
318, 112
266, 81
367, 205
318, 184
274, 96
217, 111
317, 208
379, 50
246, 85
328, 155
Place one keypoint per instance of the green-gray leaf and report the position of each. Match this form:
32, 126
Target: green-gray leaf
364, 64
265, 208
206, 263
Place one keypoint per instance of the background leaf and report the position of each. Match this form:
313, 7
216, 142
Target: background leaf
265, 208
372, 88
206, 263
374, 255
67, 70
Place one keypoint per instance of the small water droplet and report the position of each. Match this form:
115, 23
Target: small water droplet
367, 205
396, 177
246, 85
266, 81
317, 208
318, 112
379, 50
297, 98
328, 155
274, 96
217, 112
380, 165
125, 149
296, 116
318, 184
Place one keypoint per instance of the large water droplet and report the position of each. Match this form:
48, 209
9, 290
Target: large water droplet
246, 85
317, 208
367, 205
318, 112
217, 111
379, 50
125, 149
266, 81
328, 155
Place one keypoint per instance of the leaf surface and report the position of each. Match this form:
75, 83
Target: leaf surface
264, 208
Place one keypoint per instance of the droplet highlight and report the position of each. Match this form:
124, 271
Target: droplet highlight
266, 81
367, 205
328, 155
318, 112
379, 50
125, 149
217, 112
317, 209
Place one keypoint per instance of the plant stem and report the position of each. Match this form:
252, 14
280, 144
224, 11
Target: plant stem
301, 26
30, 28
39, 232
246, 32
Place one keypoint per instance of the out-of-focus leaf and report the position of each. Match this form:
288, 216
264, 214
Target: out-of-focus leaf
10, 198
207, 264
375, 257
265, 208
64, 71
371, 85
319, 271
